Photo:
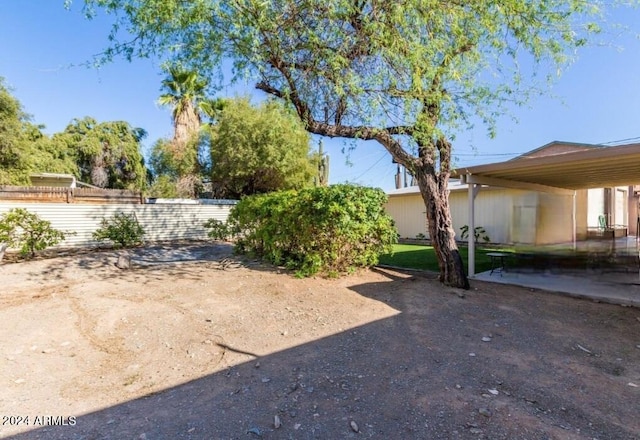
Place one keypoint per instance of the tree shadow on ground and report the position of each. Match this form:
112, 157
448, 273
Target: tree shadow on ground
177, 259
484, 364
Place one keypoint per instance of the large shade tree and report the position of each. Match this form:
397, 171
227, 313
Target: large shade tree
107, 154
24, 148
16, 135
407, 74
258, 149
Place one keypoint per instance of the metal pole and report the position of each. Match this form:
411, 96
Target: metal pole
574, 223
472, 227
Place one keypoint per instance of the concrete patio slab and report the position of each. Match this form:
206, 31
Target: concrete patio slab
610, 287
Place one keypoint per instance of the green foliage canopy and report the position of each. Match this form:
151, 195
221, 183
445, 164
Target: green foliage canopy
407, 74
24, 149
107, 153
327, 230
178, 169
15, 131
258, 149
406, 67
169, 161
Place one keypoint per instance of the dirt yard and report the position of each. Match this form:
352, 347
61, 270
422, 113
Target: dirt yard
191, 343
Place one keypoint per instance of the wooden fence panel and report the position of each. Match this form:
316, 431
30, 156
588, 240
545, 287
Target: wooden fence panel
49, 194
35, 194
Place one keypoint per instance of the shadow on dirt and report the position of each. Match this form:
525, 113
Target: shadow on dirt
486, 365
178, 259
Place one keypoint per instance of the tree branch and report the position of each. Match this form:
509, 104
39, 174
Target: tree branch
363, 132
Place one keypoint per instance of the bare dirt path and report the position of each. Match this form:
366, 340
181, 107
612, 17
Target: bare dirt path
192, 343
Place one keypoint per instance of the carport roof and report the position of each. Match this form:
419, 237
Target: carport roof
593, 166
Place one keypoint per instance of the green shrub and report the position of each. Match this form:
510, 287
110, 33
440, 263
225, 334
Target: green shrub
327, 230
218, 230
478, 233
26, 231
123, 230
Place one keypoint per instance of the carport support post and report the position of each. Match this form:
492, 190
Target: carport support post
574, 223
473, 192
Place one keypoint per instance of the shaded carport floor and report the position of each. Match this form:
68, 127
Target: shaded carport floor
610, 287
581, 167
617, 281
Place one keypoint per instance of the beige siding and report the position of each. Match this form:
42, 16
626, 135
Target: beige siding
161, 222
51, 181
409, 215
582, 212
633, 210
492, 212
526, 217
507, 215
555, 219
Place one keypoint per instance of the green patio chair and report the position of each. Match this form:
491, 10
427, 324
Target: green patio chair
602, 222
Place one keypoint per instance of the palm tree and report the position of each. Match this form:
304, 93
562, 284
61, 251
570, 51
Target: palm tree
184, 91
211, 109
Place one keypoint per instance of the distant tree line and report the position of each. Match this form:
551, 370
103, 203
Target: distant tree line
223, 148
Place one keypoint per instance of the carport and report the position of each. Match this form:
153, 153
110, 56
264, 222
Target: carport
562, 173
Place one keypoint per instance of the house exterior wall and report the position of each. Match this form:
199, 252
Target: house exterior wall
509, 216
161, 222
492, 212
621, 206
524, 219
582, 208
634, 215
555, 219
409, 215
596, 206
53, 180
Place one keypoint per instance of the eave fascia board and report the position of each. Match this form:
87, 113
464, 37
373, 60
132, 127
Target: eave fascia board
516, 184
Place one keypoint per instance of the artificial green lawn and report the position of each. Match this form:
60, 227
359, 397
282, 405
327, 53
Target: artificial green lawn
423, 257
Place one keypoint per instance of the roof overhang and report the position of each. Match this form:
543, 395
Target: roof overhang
561, 173
68, 180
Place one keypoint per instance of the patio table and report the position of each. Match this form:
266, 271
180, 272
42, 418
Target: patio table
497, 262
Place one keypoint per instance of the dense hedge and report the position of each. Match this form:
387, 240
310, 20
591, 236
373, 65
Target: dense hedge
327, 230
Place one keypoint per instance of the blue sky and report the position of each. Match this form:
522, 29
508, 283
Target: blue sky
597, 99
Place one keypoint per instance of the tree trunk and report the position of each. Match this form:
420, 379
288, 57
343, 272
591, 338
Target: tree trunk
186, 123
435, 194
432, 184
99, 175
